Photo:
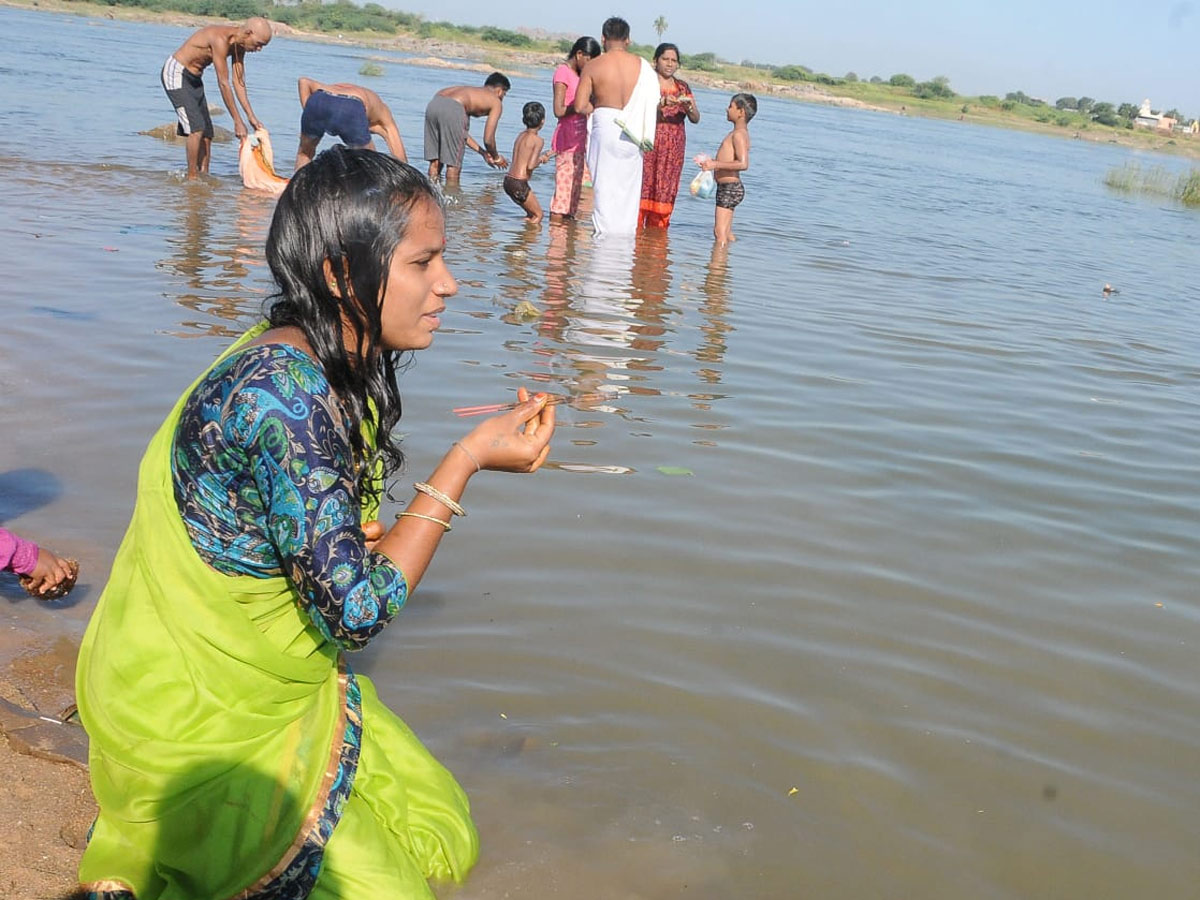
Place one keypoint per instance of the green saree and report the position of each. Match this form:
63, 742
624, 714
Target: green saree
233, 752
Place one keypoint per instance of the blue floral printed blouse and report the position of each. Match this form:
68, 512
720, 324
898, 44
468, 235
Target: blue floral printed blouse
263, 478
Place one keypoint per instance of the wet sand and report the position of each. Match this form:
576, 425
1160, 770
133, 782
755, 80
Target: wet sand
47, 806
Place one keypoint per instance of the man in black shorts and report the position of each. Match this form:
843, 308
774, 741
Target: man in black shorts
346, 111
225, 48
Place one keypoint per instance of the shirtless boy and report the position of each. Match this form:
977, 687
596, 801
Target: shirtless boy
527, 155
605, 86
182, 79
447, 124
346, 111
732, 157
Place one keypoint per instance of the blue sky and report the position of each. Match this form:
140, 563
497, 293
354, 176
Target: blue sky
1107, 50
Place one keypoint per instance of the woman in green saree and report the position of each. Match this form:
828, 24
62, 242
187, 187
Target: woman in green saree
234, 752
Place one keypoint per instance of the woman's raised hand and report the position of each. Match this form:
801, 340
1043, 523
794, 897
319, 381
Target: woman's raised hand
515, 441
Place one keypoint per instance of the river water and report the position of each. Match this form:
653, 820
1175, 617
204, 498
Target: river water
920, 622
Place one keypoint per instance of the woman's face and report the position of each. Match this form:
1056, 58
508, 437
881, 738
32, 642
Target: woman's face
418, 282
579, 60
667, 64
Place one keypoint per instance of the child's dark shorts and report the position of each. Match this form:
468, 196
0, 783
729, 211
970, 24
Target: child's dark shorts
517, 188
730, 194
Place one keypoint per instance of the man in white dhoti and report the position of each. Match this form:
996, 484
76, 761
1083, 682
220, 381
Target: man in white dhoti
606, 86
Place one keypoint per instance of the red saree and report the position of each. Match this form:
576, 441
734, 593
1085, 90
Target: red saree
662, 166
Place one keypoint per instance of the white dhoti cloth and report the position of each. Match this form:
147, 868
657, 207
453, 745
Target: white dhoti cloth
616, 164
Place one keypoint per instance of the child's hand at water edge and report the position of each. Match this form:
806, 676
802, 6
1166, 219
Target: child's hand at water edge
516, 441
52, 576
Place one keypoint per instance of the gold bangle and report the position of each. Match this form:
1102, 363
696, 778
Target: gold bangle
445, 525
470, 455
430, 491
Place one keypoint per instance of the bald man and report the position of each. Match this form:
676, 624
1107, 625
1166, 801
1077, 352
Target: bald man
225, 47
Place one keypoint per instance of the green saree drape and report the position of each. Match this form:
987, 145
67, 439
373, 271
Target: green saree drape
217, 716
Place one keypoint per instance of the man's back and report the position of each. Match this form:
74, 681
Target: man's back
376, 109
613, 76
477, 101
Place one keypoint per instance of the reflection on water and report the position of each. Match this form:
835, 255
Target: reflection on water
715, 309
213, 263
926, 603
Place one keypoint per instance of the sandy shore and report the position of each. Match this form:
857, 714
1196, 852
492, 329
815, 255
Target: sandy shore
46, 806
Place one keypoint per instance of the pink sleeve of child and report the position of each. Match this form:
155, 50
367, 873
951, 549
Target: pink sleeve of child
17, 555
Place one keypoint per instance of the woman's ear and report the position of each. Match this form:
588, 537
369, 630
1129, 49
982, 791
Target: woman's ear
330, 278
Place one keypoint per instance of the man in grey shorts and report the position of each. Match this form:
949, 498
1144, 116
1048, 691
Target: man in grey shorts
447, 126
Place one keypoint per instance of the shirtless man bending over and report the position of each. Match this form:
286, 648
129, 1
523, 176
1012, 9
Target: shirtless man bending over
447, 124
182, 80
605, 86
347, 111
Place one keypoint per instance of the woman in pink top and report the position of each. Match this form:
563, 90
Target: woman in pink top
570, 136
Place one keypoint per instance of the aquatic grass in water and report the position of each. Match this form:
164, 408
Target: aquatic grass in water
372, 69
1189, 188
1133, 178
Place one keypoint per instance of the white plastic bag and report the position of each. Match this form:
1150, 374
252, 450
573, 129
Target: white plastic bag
704, 185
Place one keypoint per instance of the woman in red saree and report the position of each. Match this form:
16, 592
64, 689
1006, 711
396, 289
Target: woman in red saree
662, 166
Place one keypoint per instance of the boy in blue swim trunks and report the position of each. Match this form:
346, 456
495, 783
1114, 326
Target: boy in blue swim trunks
732, 157
346, 111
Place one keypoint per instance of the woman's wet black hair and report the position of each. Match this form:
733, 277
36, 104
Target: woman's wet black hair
587, 45
663, 48
330, 247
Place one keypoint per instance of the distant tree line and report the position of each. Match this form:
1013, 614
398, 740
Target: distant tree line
338, 16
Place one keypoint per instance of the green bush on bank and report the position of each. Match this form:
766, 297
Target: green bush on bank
504, 36
700, 62
792, 73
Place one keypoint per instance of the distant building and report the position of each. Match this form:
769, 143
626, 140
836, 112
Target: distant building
1147, 118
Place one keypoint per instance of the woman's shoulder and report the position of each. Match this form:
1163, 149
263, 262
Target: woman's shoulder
682, 85
565, 74
280, 368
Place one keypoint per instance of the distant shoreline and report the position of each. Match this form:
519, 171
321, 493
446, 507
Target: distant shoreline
437, 53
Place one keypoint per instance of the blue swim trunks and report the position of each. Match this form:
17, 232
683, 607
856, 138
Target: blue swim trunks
336, 114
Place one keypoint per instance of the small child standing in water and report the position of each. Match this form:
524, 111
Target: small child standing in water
732, 157
43, 574
526, 156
